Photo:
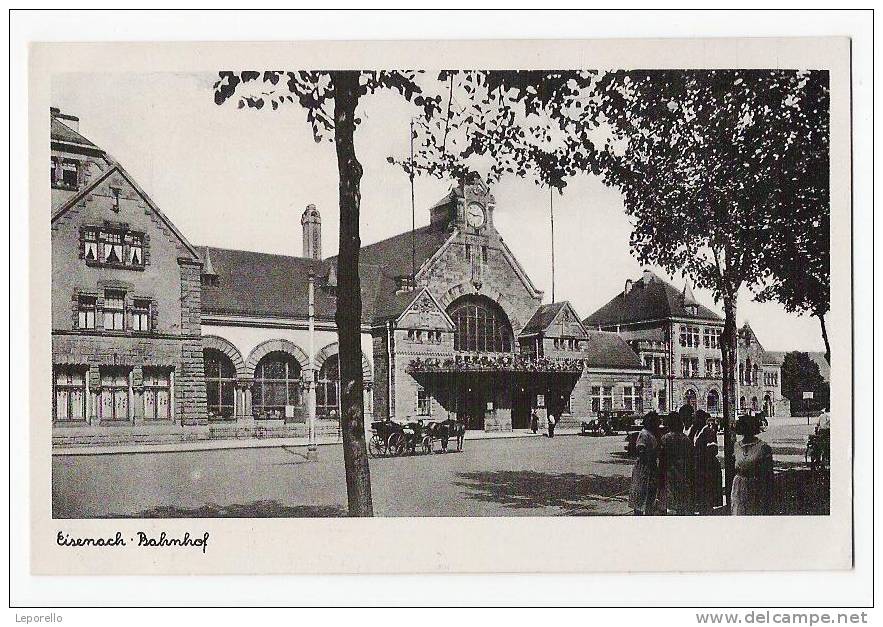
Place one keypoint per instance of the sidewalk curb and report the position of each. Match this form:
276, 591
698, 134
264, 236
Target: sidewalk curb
219, 445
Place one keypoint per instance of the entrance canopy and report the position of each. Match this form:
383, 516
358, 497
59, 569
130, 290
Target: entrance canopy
495, 363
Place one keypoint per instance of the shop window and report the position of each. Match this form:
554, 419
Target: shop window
220, 383
113, 310
70, 394
114, 398
87, 306
157, 394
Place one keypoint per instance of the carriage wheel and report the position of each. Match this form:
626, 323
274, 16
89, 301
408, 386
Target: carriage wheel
426, 444
376, 446
396, 444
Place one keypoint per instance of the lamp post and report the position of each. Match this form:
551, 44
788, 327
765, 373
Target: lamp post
311, 373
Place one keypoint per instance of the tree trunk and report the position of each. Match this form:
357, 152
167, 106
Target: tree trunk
349, 300
729, 355
821, 318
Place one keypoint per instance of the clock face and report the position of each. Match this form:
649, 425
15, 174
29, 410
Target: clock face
475, 215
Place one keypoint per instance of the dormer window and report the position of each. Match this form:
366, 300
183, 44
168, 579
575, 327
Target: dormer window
404, 283
64, 173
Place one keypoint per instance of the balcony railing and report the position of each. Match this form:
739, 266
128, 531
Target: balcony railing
495, 363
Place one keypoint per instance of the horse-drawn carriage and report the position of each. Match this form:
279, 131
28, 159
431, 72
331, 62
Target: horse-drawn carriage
391, 439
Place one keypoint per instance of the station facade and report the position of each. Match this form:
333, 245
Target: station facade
156, 339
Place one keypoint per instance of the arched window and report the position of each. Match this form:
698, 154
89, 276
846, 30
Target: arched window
276, 384
754, 404
690, 399
482, 325
768, 407
712, 402
220, 381
328, 389
741, 402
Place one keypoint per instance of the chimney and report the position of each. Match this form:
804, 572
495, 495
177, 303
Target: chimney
647, 276
312, 226
628, 286
70, 121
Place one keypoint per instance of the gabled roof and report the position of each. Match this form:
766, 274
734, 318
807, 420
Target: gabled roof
60, 132
116, 167
545, 316
606, 349
542, 318
649, 298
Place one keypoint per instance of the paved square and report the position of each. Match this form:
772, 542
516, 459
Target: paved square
525, 476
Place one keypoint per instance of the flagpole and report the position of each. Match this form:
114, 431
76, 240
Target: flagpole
413, 219
552, 221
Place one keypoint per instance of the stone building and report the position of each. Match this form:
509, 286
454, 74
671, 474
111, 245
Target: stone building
679, 340
126, 334
157, 339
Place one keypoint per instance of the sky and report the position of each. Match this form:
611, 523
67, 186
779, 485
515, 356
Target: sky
240, 178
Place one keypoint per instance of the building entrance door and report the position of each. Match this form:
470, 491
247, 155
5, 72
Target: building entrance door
470, 409
521, 397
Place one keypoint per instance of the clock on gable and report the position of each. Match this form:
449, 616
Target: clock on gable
475, 215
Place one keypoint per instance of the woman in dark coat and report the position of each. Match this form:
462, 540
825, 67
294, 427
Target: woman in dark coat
708, 490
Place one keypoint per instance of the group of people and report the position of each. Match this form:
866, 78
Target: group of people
677, 470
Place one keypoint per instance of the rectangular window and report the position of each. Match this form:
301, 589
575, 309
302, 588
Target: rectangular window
86, 308
689, 367
689, 336
424, 402
114, 397
631, 399
111, 247
90, 245
141, 315
69, 173
602, 398
157, 394
484, 255
113, 310
135, 246
70, 394
650, 363
711, 338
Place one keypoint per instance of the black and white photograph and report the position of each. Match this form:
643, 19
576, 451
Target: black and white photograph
233, 344
486, 306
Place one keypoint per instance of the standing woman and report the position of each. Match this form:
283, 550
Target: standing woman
753, 484
645, 476
677, 473
707, 473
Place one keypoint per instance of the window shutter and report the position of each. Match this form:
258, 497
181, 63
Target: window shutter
153, 316
145, 251
75, 305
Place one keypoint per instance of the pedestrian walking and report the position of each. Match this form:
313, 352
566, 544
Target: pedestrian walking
753, 484
645, 477
677, 460
534, 421
551, 421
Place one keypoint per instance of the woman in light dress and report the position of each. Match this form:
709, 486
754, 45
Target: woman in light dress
645, 476
753, 484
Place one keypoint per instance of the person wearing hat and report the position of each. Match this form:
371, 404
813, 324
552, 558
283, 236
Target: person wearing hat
752, 490
645, 475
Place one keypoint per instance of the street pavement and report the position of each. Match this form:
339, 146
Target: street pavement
523, 476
